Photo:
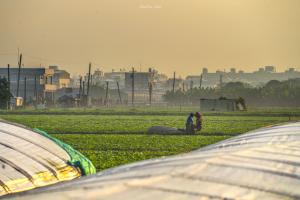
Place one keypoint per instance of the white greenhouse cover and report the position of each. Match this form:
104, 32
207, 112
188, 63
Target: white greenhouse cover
29, 160
262, 164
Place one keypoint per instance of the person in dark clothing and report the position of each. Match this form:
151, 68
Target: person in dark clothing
198, 121
189, 125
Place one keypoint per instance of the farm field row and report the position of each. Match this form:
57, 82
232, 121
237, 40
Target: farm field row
153, 110
111, 150
123, 124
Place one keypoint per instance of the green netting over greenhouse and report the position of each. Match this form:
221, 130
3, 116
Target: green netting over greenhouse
77, 159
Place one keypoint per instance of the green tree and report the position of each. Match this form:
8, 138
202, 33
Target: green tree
4, 93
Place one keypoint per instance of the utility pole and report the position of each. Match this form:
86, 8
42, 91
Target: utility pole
80, 88
83, 88
174, 82
88, 83
53, 99
8, 76
221, 80
35, 90
191, 84
201, 81
8, 80
52, 92
18, 54
120, 98
106, 94
132, 87
19, 72
150, 92
25, 90
83, 93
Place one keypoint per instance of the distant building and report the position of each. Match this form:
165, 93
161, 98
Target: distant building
100, 78
179, 84
37, 86
291, 70
97, 77
270, 69
259, 77
159, 82
141, 80
113, 78
61, 78
141, 86
232, 70
144, 82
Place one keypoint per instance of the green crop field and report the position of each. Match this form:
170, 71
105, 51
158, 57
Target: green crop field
108, 124
109, 150
111, 137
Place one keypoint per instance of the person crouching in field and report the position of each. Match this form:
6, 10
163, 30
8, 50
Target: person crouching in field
198, 121
189, 125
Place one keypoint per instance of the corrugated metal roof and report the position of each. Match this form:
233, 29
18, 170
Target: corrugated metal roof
29, 160
262, 164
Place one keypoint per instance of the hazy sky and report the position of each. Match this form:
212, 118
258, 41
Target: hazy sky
171, 35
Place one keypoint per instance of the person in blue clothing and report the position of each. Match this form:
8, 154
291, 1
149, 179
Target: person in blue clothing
189, 125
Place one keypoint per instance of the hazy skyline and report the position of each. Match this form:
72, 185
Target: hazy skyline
170, 35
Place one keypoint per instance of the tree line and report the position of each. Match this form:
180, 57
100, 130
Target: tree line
273, 93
